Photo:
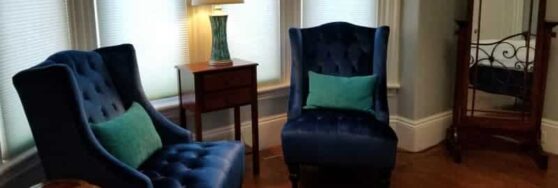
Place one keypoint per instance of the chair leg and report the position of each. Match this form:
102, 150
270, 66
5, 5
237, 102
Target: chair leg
294, 174
384, 178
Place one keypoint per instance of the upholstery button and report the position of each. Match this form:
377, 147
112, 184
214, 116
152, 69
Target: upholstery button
78, 70
194, 165
203, 153
105, 113
98, 88
92, 66
164, 162
107, 83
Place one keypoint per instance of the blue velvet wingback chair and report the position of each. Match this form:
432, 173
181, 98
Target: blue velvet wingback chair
338, 138
72, 89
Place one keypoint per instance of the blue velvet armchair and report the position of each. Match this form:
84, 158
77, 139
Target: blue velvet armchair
73, 89
339, 138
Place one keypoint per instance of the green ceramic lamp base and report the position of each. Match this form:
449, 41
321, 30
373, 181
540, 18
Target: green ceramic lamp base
219, 50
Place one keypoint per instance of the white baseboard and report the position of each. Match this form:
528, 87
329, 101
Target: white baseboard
414, 135
418, 135
269, 131
549, 134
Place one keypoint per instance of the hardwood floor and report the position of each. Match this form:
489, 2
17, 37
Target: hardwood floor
430, 169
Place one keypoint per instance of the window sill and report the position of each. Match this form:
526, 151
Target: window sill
393, 89
264, 93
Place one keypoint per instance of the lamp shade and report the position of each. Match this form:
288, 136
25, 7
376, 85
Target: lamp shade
215, 2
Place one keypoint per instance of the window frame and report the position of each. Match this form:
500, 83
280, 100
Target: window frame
389, 13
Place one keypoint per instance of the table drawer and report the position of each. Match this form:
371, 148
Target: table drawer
226, 99
228, 79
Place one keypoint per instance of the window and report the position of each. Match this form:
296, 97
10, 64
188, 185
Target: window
253, 31
359, 12
157, 29
30, 31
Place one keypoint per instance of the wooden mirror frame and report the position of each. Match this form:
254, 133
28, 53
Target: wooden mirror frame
492, 133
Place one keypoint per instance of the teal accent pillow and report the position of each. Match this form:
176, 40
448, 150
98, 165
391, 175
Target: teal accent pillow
130, 137
337, 92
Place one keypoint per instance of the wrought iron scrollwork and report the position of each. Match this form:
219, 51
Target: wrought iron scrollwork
504, 66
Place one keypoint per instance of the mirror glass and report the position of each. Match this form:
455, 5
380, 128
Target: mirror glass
502, 58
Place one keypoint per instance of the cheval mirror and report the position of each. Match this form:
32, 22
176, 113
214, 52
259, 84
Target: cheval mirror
503, 50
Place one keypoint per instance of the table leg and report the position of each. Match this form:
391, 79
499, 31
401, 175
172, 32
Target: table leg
237, 123
182, 116
181, 110
198, 122
255, 139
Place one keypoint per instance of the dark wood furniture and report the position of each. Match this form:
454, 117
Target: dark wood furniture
217, 88
478, 121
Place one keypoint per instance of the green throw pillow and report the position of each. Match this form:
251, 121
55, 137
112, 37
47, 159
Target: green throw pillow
130, 137
337, 92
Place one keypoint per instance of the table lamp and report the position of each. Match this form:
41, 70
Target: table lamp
219, 49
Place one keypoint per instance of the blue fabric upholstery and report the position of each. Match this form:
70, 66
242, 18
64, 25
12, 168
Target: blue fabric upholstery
72, 89
339, 138
213, 164
335, 137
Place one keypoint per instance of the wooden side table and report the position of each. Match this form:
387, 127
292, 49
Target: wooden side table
216, 88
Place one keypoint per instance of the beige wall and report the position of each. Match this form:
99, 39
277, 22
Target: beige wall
427, 57
408, 53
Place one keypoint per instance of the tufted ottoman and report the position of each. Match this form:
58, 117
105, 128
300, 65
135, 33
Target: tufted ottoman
196, 165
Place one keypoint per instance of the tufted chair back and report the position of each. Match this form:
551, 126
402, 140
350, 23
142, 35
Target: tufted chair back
340, 49
71, 90
101, 101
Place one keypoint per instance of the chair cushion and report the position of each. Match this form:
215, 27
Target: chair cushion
339, 138
197, 165
130, 137
340, 92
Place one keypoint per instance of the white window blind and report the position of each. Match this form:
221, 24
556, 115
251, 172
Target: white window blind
157, 29
359, 12
30, 31
253, 34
